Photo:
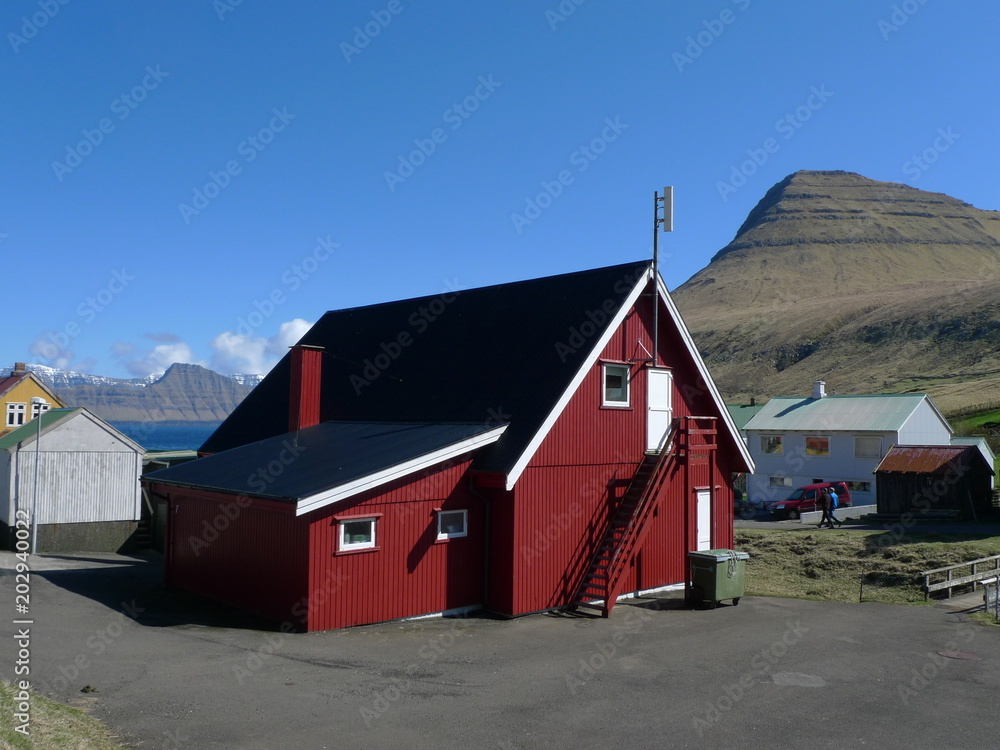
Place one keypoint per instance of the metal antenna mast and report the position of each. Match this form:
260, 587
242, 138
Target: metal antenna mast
667, 199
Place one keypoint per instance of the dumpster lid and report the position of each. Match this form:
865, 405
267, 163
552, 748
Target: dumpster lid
718, 554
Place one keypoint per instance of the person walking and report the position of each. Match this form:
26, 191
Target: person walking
834, 504
827, 505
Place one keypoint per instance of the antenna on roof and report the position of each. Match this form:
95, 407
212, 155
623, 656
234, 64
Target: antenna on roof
667, 200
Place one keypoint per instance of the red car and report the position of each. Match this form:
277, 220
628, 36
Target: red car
806, 499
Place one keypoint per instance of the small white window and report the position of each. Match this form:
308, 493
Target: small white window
868, 447
37, 409
771, 444
453, 524
817, 446
357, 533
779, 481
15, 414
615, 385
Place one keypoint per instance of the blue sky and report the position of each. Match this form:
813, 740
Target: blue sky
198, 181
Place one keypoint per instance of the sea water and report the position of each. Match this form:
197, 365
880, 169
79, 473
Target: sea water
167, 436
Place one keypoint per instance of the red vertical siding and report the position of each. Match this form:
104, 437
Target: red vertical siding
249, 555
304, 396
562, 500
410, 573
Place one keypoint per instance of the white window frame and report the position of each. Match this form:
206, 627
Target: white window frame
605, 367
345, 546
442, 535
780, 482
806, 440
14, 411
781, 448
878, 453
41, 408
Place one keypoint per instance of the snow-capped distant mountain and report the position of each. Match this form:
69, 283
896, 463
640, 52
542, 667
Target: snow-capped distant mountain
56, 378
247, 379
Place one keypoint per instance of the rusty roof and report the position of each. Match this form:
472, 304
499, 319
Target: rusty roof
928, 459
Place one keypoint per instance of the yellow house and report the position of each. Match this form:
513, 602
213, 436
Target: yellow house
23, 397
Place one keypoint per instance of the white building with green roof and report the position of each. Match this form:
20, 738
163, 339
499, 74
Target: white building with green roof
800, 441
88, 493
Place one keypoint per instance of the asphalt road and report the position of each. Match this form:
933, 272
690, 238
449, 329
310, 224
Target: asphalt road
174, 672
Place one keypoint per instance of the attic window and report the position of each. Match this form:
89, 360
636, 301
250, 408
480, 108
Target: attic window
15, 414
37, 409
615, 385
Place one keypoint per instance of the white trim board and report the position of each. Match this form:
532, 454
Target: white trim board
344, 491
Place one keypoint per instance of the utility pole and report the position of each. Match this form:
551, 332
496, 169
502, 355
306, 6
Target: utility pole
667, 221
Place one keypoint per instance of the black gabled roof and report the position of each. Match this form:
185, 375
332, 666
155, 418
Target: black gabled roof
301, 464
496, 354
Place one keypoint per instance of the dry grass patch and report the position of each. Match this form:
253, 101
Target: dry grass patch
53, 726
830, 565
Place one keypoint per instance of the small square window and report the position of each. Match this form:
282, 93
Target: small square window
453, 524
357, 533
817, 446
37, 409
868, 447
615, 385
779, 481
771, 444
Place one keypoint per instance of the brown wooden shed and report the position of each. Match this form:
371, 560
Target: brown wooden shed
932, 478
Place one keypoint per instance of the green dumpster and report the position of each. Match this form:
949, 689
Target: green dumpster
716, 574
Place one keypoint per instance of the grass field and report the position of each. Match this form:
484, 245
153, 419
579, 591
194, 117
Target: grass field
53, 726
978, 420
830, 564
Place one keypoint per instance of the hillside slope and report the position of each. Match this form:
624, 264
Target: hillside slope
871, 286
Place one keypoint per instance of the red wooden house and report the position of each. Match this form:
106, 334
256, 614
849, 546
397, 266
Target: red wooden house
514, 448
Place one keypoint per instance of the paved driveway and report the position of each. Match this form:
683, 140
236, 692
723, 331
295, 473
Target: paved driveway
174, 672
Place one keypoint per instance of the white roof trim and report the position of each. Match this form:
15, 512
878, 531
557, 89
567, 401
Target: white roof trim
344, 491
522, 462
706, 376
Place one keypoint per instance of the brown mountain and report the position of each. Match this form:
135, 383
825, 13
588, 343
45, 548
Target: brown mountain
183, 393
870, 286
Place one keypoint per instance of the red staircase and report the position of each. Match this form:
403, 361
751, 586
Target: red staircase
689, 442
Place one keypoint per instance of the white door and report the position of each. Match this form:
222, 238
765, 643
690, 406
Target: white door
704, 519
659, 409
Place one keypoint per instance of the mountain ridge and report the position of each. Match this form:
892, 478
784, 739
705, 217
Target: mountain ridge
873, 286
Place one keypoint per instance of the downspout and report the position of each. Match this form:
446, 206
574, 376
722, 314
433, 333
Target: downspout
486, 539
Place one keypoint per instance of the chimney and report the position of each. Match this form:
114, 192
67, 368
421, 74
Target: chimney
19, 368
819, 389
304, 388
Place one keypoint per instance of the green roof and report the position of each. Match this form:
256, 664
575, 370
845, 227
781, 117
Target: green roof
29, 430
877, 413
742, 413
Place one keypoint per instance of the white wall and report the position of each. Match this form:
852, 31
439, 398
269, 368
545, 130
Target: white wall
924, 427
840, 465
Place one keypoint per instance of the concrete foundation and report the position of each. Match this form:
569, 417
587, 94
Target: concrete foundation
103, 536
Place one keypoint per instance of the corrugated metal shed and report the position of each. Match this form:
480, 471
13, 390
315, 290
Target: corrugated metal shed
876, 413
926, 459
